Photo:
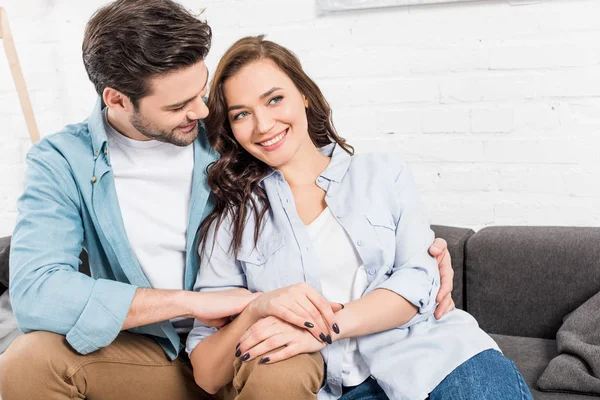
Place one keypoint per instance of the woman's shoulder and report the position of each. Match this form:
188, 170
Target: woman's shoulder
382, 164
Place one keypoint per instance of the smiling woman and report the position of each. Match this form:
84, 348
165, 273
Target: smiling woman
335, 243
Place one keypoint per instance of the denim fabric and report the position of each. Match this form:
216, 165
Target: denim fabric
488, 375
368, 390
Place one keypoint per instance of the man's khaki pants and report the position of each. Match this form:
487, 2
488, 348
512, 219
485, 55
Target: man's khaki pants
42, 365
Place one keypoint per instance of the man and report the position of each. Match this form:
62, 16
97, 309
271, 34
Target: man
128, 185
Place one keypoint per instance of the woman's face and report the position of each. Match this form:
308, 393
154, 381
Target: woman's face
267, 113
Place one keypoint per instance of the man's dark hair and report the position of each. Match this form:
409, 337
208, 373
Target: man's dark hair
127, 42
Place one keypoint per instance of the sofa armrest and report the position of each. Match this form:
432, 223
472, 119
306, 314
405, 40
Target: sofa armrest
457, 239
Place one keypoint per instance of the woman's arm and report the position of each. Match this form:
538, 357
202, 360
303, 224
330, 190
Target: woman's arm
377, 311
408, 294
212, 359
212, 351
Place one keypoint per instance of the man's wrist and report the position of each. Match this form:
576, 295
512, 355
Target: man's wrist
183, 301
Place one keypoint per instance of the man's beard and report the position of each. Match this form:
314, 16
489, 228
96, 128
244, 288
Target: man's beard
152, 131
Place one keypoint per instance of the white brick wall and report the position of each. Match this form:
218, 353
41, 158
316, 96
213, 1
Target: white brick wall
496, 106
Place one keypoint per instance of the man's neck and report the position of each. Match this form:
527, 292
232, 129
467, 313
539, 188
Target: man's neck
123, 126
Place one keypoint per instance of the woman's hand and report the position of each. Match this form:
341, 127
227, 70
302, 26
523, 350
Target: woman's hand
271, 333
299, 305
439, 250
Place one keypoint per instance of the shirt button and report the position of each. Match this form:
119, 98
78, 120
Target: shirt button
259, 258
105, 151
372, 271
319, 179
94, 179
360, 243
287, 200
329, 195
96, 154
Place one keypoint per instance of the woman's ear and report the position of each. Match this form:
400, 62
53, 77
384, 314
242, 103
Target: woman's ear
305, 100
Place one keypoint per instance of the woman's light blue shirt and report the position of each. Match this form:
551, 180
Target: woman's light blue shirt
374, 198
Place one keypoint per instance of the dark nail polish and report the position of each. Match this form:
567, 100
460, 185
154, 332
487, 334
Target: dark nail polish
238, 353
323, 337
237, 346
342, 306
329, 339
308, 325
246, 357
336, 329
265, 360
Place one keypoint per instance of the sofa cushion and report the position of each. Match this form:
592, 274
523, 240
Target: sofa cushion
524, 280
456, 238
531, 356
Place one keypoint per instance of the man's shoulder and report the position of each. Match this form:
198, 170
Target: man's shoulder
69, 142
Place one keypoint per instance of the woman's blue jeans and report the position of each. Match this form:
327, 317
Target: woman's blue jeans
488, 375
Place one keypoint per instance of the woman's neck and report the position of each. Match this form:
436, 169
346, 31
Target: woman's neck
305, 167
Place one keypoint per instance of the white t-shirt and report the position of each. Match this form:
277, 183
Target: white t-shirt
343, 279
154, 187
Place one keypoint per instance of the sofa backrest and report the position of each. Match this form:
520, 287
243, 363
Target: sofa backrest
524, 280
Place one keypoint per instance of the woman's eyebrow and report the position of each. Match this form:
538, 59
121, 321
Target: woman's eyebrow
262, 96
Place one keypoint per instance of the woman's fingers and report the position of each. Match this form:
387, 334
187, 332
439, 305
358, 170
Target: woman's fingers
266, 346
257, 333
319, 326
324, 309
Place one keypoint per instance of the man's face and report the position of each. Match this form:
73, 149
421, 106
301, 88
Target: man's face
171, 112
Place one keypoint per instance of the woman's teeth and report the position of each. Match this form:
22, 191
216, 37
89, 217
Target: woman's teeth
274, 140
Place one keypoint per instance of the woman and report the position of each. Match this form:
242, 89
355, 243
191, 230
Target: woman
294, 205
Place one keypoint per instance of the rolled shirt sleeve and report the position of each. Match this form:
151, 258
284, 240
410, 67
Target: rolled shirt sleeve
415, 274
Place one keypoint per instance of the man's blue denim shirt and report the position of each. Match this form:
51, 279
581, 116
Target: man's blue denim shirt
69, 203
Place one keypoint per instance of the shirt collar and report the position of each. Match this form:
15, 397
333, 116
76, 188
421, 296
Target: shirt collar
337, 168
96, 127
339, 164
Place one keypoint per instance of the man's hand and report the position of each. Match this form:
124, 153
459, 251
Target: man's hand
272, 333
215, 308
439, 250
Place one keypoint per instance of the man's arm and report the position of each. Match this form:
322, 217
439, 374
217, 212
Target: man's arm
49, 293
47, 290
212, 309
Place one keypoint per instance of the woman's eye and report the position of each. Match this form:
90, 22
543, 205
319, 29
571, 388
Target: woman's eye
240, 115
276, 100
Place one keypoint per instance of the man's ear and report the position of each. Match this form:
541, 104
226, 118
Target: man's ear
116, 100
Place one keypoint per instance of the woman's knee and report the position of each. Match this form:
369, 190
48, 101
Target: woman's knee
296, 377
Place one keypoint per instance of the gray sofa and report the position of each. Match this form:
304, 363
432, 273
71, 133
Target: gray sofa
518, 282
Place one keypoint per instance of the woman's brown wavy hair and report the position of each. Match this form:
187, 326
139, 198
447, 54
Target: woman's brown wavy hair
234, 179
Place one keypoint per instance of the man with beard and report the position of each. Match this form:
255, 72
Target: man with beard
129, 186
